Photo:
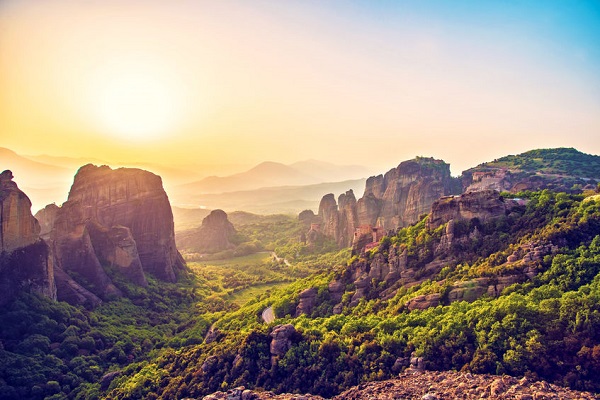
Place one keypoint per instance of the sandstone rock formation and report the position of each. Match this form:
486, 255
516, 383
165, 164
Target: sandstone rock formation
382, 274
46, 217
19, 228
214, 235
307, 301
133, 198
72, 292
119, 219
390, 201
282, 339
482, 205
26, 262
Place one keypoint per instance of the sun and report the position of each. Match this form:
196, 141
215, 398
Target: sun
135, 103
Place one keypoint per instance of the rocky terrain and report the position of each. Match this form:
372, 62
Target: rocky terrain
431, 385
113, 218
561, 169
383, 275
399, 197
390, 201
26, 262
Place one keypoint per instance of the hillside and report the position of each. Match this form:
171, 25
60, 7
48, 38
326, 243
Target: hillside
561, 161
539, 319
561, 169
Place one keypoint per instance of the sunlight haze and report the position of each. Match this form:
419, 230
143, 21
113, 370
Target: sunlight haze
228, 82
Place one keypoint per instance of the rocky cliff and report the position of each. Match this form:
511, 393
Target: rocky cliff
456, 226
390, 201
26, 262
559, 169
120, 219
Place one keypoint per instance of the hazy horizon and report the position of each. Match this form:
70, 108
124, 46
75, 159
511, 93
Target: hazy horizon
237, 83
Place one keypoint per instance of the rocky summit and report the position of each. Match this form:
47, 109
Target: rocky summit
119, 218
26, 262
390, 201
214, 235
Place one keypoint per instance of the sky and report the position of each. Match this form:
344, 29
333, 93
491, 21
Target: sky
350, 82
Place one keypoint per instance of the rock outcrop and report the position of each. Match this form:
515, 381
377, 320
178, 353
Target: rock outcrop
46, 217
26, 262
307, 301
214, 235
120, 219
383, 273
390, 201
19, 228
133, 198
283, 337
483, 205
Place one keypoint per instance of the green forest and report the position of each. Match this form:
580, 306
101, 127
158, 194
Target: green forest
151, 343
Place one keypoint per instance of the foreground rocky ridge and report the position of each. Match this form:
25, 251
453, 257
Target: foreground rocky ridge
431, 385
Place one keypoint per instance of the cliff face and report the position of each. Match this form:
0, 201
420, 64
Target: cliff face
26, 262
19, 227
118, 218
135, 199
561, 169
466, 220
390, 201
482, 205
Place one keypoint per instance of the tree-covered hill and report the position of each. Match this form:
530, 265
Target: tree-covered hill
559, 169
562, 161
544, 326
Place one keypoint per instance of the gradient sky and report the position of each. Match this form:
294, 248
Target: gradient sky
350, 82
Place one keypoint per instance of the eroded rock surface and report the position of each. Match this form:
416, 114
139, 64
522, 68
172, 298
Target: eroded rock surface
119, 219
214, 235
390, 201
26, 261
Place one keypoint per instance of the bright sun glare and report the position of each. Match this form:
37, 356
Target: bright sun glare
135, 103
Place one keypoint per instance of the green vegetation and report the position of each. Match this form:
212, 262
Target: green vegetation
543, 327
561, 161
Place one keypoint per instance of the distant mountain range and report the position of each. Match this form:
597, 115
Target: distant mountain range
270, 200
272, 174
269, 187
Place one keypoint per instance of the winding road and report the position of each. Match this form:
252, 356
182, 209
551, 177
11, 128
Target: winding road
268, 315
279, 259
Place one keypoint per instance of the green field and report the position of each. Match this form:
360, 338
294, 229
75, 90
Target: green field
245, 295
236, 262
240, 279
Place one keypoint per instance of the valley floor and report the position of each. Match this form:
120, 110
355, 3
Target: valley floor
432, 385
